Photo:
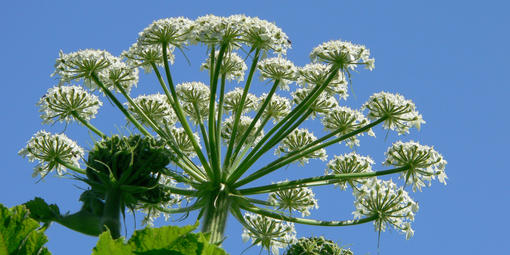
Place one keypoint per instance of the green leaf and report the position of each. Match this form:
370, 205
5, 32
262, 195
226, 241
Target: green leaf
168, 240
41, 211
19, 234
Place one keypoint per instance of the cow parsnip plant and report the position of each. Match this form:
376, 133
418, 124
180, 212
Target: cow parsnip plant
235, 129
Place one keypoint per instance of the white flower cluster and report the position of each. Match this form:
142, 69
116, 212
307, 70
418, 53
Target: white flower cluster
173, 31
301, 199
119, 74
298, 139
265, 35
50, 150
268, 232
63, 102
81, 65
277, 108
323, 103
195, 99
242, 127
145, 56
400, 113
85, 64
232, 66
278, 69
182, 141
423, 161
316, 74
155, 107
211, 29
232, 101
345, 120
344, 54
347, 164
390, 204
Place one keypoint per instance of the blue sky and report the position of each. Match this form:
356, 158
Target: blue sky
449, 57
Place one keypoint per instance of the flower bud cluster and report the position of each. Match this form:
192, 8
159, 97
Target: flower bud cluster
50, 150
232, 66
63, 102
399, 112
279, 69
343, 54
277, 108
423, 161
301, 199
233, 100
316, 74
268, 232
390, 204
195, 99
345, 120
298, 139
155, 107
348, 164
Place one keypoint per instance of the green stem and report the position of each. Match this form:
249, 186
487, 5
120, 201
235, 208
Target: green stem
202, 129
197, 205
87, 124
287, 121
180, 115
291, 157
317, 181
260, 111
119, 105
309, 221
238, 111
71, 167
112, 210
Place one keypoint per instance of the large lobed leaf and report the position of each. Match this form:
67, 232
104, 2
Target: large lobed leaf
20, 234
171, 240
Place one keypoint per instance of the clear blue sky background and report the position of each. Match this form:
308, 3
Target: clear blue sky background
449, 57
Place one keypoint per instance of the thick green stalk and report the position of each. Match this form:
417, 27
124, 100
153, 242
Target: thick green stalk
239, 110
317, 181
87, 124
180, 115
83, 221
291, 157
112, 210
71, 167
215, 215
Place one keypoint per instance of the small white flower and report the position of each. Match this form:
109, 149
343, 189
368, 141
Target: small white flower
242, 127
119, 74
173, 31
323, 103
423, 161
301, 199
349, 163
152, 211
298, 139
232, 66
400, 113
278, 69
345, 120
315, 74
147, 55
214, 30
49, 150
268, 233
193, 92
62, 102
81, 65
278, 108
341, 53
233, 99
265, 35
155, 107
390, 204
182, 141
